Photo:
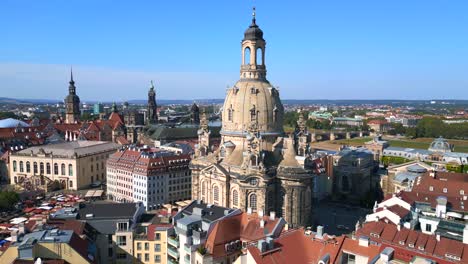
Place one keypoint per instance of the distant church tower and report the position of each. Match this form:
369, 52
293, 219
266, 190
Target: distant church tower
152, 106
195, 114
72, 103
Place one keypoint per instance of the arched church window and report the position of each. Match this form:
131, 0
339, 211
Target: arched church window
235, 198
21, 166
48, 168
247, 56
14, 165
63, 169
41, 166
215, 194
70, 170
28, 167
253, 201
35, 167
56, 169
259, 56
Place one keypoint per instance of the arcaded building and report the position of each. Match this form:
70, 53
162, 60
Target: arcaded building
256, 168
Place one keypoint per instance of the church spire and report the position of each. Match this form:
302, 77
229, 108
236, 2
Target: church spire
71, 75
253, 15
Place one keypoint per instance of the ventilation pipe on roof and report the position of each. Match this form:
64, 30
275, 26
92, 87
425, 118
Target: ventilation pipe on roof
260, 214
272, 215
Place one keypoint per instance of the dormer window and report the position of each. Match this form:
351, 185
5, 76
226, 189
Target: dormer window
253, 90
445, 190
421, 248
411, 245
401, 242
462, 192
431, 188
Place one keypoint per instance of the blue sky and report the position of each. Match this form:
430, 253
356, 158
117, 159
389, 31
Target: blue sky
344, 49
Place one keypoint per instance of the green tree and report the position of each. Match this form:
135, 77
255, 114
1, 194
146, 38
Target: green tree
8, 199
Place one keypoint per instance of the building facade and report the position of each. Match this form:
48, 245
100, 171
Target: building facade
151, 176
74, 164
256, 167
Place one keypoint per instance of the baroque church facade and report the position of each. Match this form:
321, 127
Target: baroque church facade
256, 167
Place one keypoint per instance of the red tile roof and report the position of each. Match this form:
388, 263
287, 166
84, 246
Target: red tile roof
410, 243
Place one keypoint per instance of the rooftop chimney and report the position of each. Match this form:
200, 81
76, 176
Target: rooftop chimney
438, 237
21, 229
272, 215
14, 236
262, 223
319, 231
363, 241
387, 255
260, 213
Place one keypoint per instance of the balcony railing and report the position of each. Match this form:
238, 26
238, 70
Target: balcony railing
187, 259
173, 241
187, 248
173, 253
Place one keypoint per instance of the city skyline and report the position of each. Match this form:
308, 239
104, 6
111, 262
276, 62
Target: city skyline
315, 51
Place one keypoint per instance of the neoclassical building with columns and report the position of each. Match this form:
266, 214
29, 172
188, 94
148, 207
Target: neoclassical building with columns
256, 167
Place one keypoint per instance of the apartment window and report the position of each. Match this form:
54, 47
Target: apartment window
157, 258
351, 258
146, 246
428, 228
157, 247
146, 257
158, 236
123, 226
56, 169
92, 168
121, 256
110, 252
109, 239
139, 246
139, 256
121, 240
71, 184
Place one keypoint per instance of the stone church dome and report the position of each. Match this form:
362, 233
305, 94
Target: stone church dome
252, 102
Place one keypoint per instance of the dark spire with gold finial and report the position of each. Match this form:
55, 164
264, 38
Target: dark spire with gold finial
253, 32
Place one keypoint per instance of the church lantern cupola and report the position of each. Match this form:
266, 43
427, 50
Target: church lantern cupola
253, 52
